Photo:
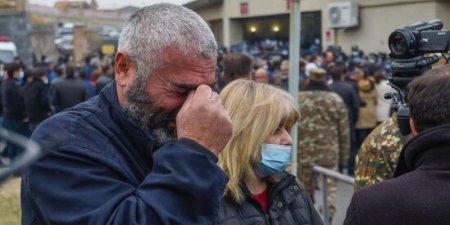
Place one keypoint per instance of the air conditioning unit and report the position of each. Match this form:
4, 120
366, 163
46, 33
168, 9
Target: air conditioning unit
343, 14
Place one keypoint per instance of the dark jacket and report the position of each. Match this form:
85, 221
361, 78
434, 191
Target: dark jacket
419, 193
102, 81
68, 93
37, 101
350, 97
12, 100
102, 168
288, 205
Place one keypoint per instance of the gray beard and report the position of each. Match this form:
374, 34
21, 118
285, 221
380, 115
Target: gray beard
140, 107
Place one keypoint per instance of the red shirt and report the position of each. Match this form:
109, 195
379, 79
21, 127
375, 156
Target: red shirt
262, 200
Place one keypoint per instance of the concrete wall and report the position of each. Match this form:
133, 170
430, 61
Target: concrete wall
87, 17
443, 13
212, 13
377, 22
378, 18
42, 41
233, 32
15, 25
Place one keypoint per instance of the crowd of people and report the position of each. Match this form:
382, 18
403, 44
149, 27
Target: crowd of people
31, 95
177, 134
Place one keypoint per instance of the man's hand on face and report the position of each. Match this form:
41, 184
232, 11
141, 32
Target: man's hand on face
203, 118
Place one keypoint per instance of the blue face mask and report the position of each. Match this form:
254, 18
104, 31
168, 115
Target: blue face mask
274, 159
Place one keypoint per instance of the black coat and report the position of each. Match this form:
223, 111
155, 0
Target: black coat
288, 205
350, 97
68, 93
37, 101
12, 100
419, 193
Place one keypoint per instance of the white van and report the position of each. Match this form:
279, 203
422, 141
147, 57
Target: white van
8, 50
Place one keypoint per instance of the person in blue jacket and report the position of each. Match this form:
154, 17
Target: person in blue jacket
144, 151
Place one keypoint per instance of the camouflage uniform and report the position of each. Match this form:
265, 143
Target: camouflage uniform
324, 138
379, 153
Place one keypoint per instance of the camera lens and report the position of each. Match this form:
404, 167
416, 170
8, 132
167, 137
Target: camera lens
398, 43
402, 43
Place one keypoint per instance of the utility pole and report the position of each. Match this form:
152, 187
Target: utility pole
294, 58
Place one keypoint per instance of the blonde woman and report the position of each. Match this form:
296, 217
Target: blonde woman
259, 191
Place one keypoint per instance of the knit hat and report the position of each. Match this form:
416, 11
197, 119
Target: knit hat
317, 74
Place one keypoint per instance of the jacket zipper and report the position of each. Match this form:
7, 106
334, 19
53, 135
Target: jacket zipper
267, 219
258, 207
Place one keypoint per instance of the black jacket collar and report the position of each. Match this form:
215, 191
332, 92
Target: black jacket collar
429, 150
141, 140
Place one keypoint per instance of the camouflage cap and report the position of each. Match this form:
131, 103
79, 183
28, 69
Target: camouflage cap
317, 74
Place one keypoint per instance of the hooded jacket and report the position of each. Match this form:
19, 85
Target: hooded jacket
418, 194
101, 168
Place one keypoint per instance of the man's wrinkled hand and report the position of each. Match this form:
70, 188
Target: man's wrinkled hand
203, 118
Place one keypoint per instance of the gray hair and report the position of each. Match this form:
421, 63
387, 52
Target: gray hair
153, 29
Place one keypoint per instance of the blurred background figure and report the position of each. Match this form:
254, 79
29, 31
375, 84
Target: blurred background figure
91, 91
261, 76
68, 92
367, 119
351, 100
59, 75
281, 79
14, 117
37, 98
383, 107
105, 78
235, 66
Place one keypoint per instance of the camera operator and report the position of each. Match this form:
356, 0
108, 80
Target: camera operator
409, 58
418, 193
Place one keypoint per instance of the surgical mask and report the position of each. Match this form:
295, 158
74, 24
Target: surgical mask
274, 159
21, 75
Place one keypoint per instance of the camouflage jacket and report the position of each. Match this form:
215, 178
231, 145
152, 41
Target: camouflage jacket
323, 129
379, 153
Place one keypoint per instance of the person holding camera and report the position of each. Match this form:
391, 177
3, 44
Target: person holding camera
145, 150
418, 193
255, 159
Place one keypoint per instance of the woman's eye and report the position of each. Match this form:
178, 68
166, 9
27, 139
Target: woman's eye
278, 130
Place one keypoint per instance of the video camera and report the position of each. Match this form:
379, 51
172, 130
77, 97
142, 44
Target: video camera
409, 54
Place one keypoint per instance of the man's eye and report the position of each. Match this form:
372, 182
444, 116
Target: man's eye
181, 93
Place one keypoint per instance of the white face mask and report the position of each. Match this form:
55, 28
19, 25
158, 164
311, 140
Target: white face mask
21, 75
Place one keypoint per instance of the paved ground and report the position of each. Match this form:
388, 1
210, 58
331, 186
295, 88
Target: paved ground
344, 194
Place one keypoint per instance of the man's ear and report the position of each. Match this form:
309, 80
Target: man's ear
413, 127
125, 74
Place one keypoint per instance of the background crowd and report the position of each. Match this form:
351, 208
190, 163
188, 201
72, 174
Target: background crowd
31, 95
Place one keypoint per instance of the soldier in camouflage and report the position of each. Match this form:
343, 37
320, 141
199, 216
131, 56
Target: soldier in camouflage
324, 138
378, 156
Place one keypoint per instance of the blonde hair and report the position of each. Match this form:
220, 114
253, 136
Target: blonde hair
257, 110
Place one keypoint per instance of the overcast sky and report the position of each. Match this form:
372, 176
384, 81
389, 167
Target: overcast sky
110, 4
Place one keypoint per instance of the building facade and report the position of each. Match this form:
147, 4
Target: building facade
235, 21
